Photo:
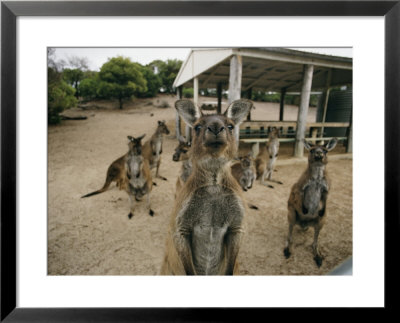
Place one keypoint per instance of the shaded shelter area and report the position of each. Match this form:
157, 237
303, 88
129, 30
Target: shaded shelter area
238, 72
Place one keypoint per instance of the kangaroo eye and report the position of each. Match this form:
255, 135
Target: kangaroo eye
230, 127
197, 128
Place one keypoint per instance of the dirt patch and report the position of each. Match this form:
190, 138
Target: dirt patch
94, 236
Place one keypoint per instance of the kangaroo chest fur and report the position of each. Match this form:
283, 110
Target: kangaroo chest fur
157, 150
208, 214
313, 189
137, 181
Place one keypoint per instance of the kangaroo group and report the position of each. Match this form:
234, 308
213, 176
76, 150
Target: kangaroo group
208, 220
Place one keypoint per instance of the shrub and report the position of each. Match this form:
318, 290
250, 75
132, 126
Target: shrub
188, 93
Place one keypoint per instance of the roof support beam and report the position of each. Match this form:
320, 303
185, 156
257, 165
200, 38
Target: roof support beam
235, 84
177, 117
282, 104
188, 129
303, 110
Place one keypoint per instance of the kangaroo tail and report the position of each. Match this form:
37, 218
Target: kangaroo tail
93, 193
103, 189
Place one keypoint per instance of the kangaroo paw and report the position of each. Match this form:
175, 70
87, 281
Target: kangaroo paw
286, 252
130, 215
318, 260
151, 212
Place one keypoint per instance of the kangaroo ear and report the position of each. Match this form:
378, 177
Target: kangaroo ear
238, 110
331, 144
307, 144
182, 140
189, 112
141, 137
130, 138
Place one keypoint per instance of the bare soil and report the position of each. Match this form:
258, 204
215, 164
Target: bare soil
93, 236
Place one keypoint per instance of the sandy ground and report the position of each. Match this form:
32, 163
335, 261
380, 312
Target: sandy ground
94, 236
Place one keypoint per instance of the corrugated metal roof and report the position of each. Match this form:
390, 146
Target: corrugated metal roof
269, 69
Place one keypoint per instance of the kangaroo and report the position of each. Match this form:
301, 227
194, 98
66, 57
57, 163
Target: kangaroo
138, 175
268, 152
307, 200
152, 149
116, 172
182, 153
245, 174
207, 223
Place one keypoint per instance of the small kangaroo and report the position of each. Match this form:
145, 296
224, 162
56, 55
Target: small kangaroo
139, 181
182, 153
152, 149
307, 200
207, 222
268, 152
244, 172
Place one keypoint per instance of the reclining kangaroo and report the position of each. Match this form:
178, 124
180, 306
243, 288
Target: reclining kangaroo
207, 222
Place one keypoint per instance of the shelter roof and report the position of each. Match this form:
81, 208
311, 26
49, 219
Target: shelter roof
268, 69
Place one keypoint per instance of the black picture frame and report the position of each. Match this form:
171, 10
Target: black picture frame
10, 10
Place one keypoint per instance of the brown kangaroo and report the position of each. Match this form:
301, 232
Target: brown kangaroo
245, 173
116, 172
207, 222
139, 181
152, 149
307, 201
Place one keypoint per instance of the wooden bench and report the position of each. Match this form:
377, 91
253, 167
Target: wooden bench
256, 132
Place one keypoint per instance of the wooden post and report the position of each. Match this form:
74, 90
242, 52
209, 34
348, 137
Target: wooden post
303, 110
282, 104
249, 94
349, 148
235, 84
177, 117
326, 99
188, 130
219, 96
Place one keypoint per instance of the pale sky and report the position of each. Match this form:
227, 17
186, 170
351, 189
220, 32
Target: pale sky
98, 56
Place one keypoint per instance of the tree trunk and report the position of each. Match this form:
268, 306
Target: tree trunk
120, 103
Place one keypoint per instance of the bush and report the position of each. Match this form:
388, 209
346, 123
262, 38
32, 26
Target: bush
188, 93
60, 96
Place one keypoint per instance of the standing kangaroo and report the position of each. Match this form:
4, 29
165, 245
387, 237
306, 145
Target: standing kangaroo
307, 201
207, 222
266, 159
152, 149
138, 175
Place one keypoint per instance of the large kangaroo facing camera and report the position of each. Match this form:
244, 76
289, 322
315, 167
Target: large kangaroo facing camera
207, 222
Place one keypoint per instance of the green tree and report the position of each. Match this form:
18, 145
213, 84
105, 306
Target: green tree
168, 71
153, 81
121, 79
60, 95
73, 77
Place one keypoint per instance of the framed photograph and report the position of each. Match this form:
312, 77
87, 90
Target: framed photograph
46, 169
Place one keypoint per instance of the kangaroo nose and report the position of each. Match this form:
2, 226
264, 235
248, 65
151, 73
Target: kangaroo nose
216, 128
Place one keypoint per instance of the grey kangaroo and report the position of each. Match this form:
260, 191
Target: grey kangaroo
307, 200
152, 149
207, 222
